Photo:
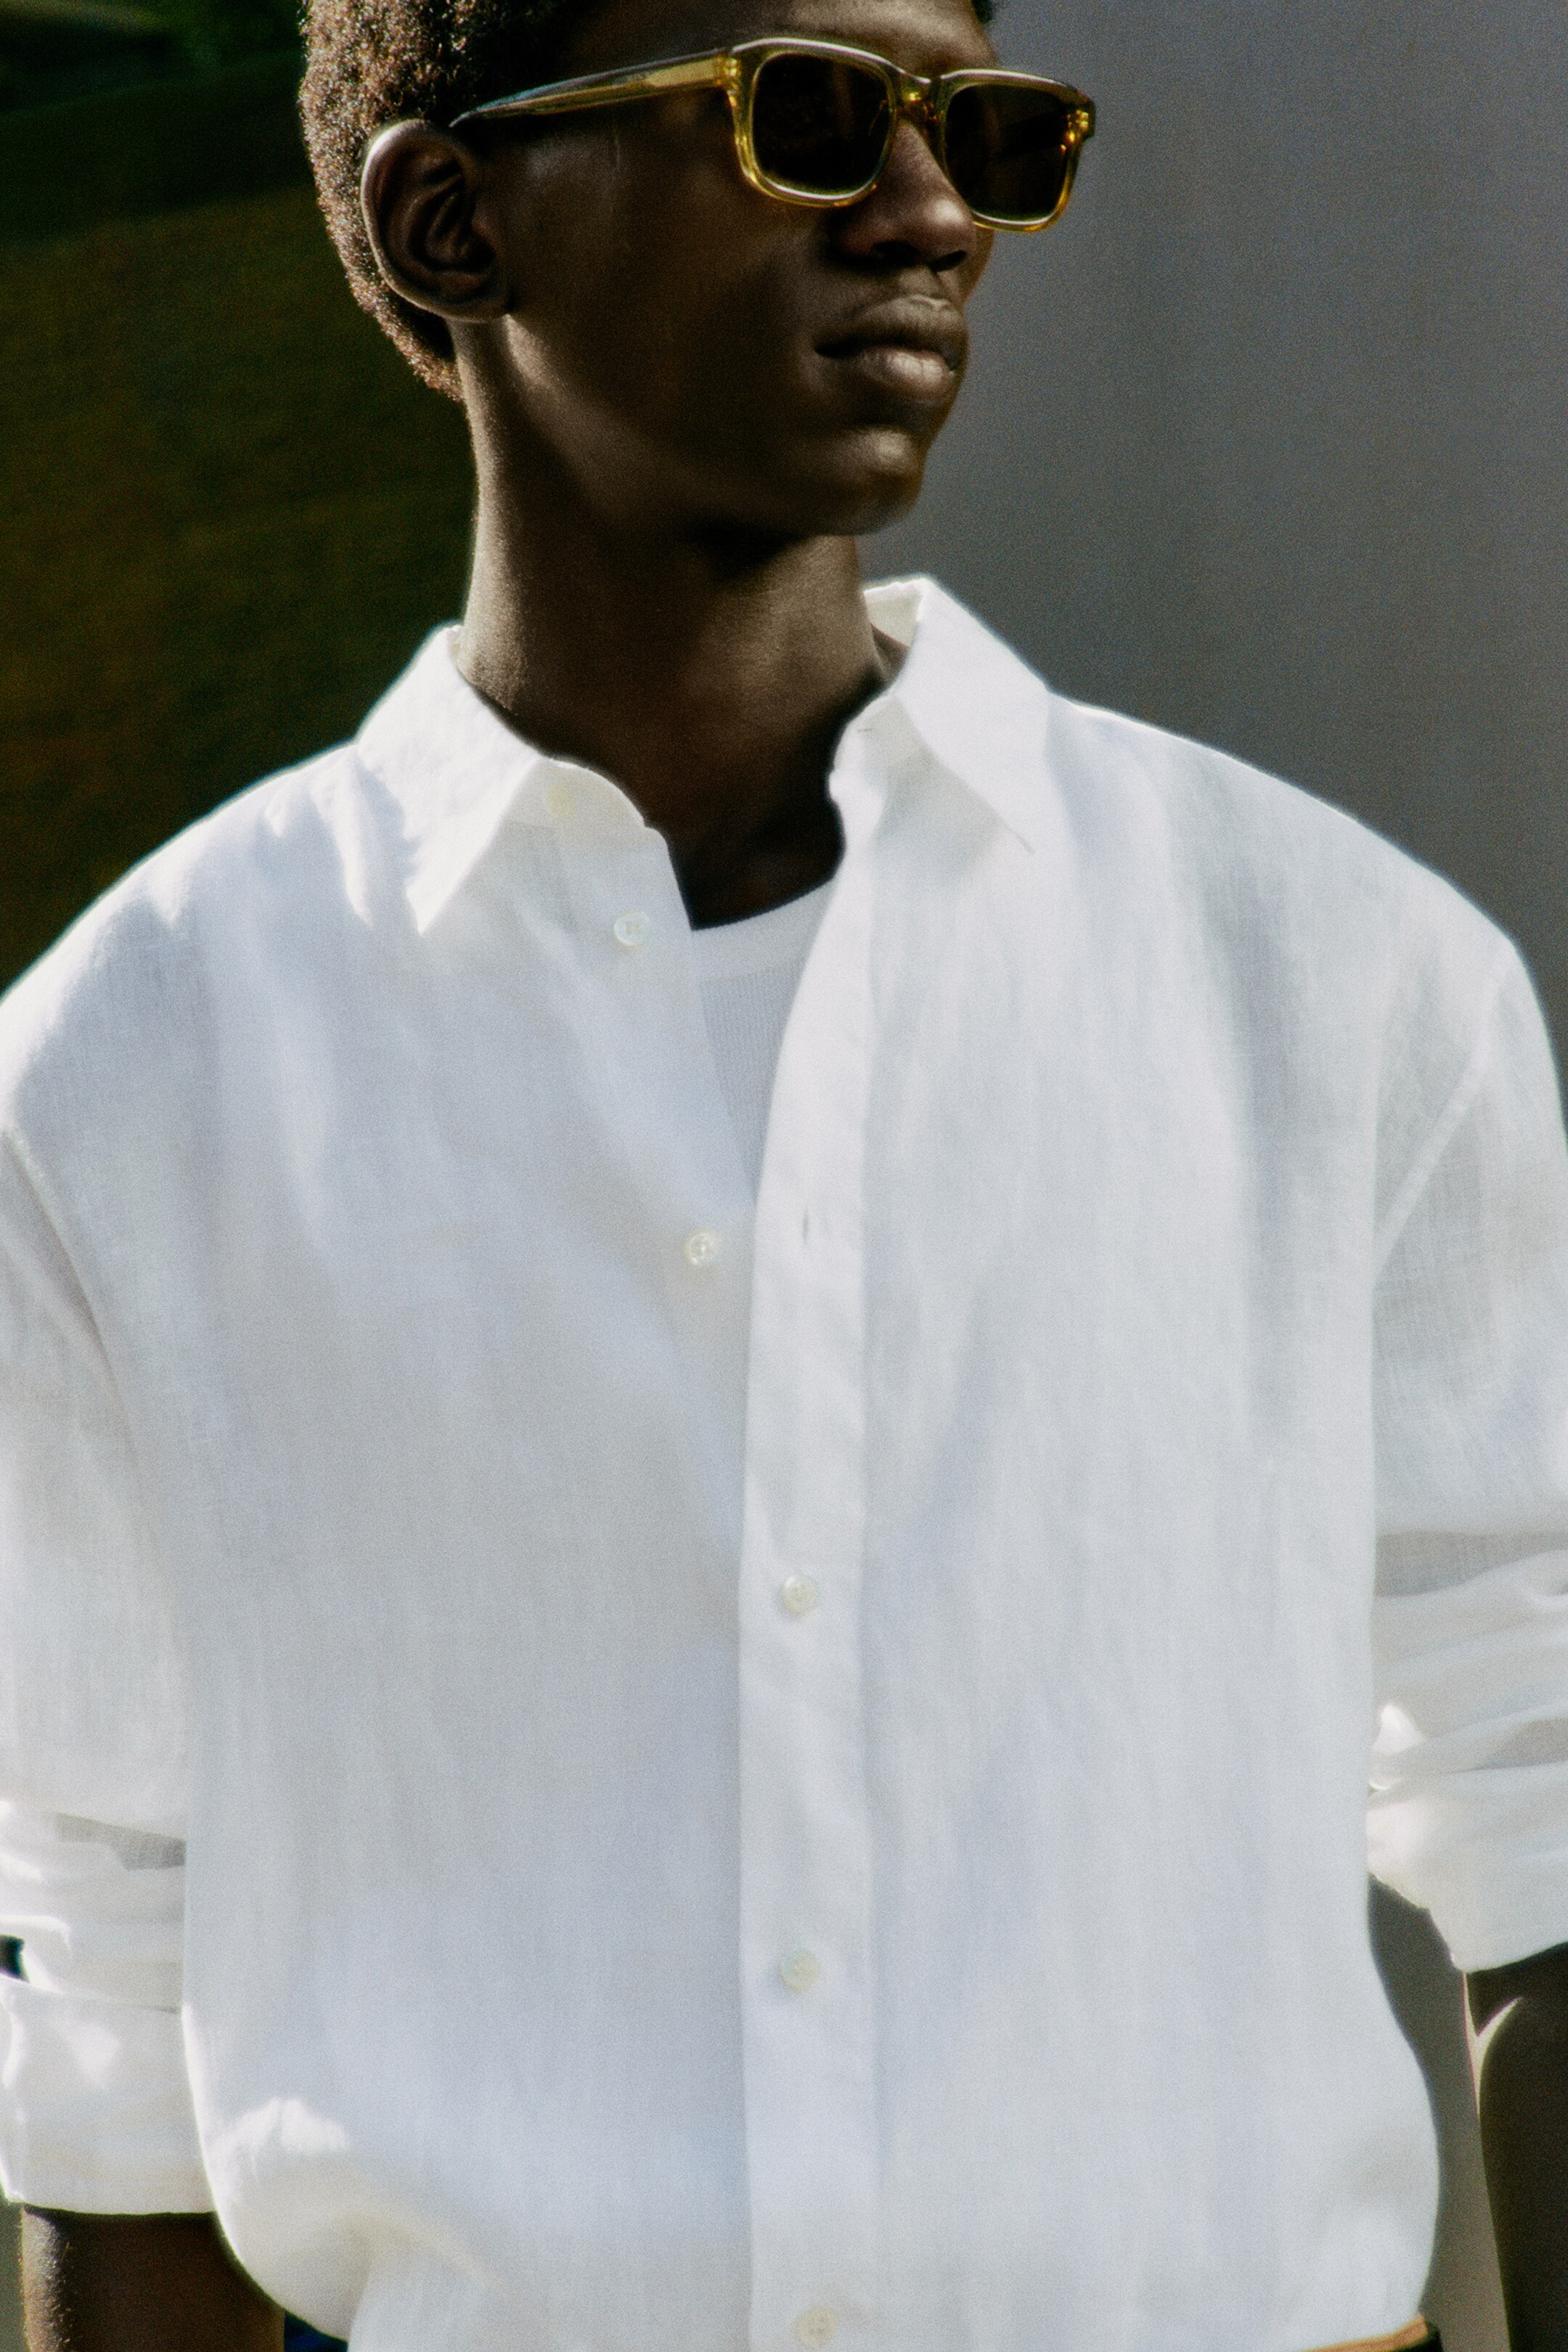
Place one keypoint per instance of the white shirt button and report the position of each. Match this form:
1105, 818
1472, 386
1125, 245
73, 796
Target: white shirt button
817, 2327
632, 930
800, 1972
701, 1248
558, 799
799, 1595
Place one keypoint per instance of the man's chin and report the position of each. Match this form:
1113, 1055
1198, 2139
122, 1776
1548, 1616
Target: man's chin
877, 510
860, 483
873, 483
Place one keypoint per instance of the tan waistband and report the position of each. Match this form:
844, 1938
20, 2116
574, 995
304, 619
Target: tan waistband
1417, 2332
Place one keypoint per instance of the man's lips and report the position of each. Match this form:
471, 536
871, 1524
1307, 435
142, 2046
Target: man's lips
914, 348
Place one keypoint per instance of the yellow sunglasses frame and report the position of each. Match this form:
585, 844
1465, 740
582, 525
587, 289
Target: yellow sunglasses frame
922, 98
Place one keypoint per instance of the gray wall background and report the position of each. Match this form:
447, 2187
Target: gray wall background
1265, 443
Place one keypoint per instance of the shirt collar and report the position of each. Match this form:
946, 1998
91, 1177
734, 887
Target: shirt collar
978, 710
454, 772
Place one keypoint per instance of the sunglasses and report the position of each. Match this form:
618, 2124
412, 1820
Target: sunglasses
814, 122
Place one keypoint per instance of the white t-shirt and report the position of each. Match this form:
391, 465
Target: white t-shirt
748, 973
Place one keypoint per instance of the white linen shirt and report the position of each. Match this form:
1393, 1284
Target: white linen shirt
754, 1771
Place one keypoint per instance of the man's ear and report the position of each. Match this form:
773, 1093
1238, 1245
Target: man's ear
427, 200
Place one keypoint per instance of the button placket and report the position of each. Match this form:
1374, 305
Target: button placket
811, 2152
685, 1176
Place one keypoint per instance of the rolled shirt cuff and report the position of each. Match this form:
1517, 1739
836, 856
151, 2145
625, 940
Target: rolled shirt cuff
1486, 1854
95, 2106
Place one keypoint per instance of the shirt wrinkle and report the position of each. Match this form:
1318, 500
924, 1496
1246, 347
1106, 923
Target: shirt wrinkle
1451, 1116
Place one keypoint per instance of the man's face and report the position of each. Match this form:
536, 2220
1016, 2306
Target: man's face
700, 355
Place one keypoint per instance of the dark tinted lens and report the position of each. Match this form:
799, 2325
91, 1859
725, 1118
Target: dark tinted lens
1007, 150
818, 123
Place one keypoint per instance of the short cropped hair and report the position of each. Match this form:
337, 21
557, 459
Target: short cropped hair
370, 63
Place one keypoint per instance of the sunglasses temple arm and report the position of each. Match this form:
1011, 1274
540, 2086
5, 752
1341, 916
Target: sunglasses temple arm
604, 90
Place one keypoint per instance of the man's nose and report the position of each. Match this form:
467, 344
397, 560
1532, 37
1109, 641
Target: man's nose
914, 212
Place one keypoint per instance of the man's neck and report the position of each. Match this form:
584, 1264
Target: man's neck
710, 681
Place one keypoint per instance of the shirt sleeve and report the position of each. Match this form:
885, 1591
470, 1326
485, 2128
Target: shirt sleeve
95, 2103
1468, 1814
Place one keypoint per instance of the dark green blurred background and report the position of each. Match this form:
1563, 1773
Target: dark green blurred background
229, 511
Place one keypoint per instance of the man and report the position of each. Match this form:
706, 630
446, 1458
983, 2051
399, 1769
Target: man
704, 1356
